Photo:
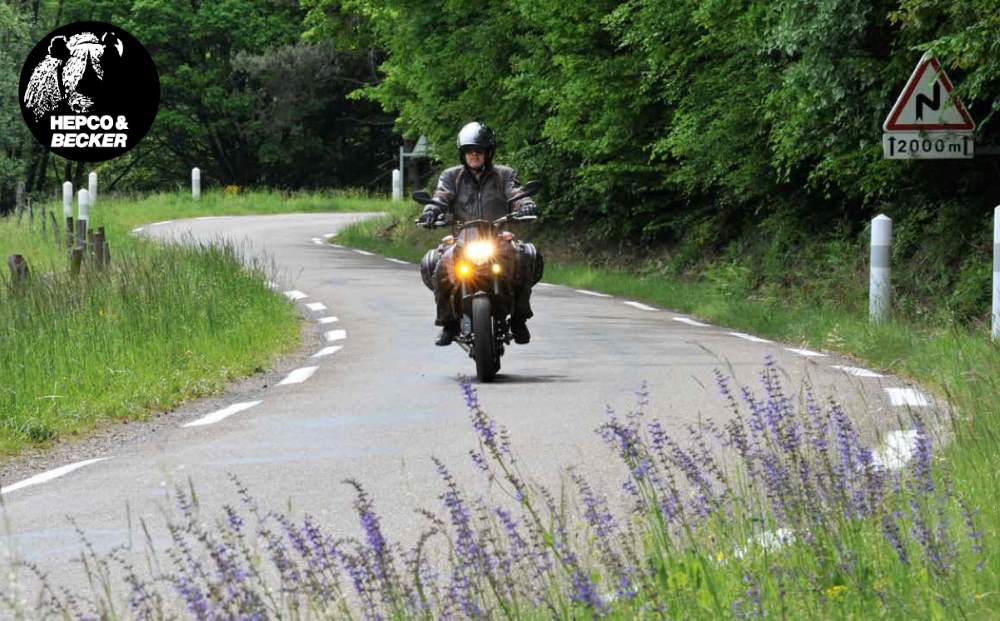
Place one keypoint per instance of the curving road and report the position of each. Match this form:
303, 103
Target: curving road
380, 400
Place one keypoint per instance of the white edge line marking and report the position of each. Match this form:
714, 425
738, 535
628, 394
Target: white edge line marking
856, 371
898, 449
207, 218
326, 351
295, 295
224, 413
593, 293
337, 246
640, 306
161, 222
691, 322
397, 261
298, 376
45, 477
330, 319
907, 396
808, 353
364, 252
316, 306
336, 335
137, 230
748, 337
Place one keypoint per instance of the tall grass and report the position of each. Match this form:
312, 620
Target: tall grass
163, 325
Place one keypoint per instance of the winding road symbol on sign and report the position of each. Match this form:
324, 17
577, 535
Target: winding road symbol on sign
920, 106
928, 120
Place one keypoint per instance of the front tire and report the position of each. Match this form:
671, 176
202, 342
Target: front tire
482, 328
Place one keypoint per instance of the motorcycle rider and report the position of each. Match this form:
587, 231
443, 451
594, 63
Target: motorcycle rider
478, 189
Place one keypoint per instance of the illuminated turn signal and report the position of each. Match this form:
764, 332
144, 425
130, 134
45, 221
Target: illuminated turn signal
463, 269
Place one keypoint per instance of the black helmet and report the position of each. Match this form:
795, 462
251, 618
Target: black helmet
476, 134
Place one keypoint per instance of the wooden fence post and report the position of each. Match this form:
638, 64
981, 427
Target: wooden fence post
18, 269
99, 247
75, 259
55, 227
69, 231
19, 201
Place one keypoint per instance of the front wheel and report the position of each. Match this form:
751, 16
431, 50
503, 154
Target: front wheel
482, 328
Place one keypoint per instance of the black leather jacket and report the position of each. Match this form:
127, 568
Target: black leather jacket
485, 198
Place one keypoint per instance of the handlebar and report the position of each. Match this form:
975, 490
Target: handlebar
459, 223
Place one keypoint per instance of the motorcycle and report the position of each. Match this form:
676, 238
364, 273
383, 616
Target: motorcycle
486, 296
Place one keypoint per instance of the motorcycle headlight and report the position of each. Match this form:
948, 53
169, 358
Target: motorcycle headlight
480, 251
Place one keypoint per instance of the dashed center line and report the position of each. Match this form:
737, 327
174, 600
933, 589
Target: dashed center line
857, 371
329, 235
295, 295
45, 477
593, 293
298, 376
691, 322
364, 252
336, 335
640, 306
748, 337
326, 351
397, 261
907, 396
316, 306
224, 413
330, 319
808, 353
162, 222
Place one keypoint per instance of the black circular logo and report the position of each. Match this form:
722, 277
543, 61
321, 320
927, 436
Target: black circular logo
89, 91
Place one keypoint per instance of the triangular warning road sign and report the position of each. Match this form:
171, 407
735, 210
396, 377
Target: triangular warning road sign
928, 103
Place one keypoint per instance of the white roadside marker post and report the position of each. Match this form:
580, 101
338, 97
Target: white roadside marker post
996, 273
83, 205
880, 284
397, 185
68, 211
195, 183
68, 199
92, 188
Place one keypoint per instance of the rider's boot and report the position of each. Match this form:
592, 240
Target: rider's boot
522, 312
448, 333
519, 328
445, 316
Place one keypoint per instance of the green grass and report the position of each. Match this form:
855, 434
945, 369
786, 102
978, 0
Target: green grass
164, 325
957, 361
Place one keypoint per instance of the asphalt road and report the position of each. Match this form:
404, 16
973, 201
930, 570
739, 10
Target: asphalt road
381, 405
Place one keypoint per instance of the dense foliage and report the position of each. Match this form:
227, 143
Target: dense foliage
242, 97
734, 129
697, 122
